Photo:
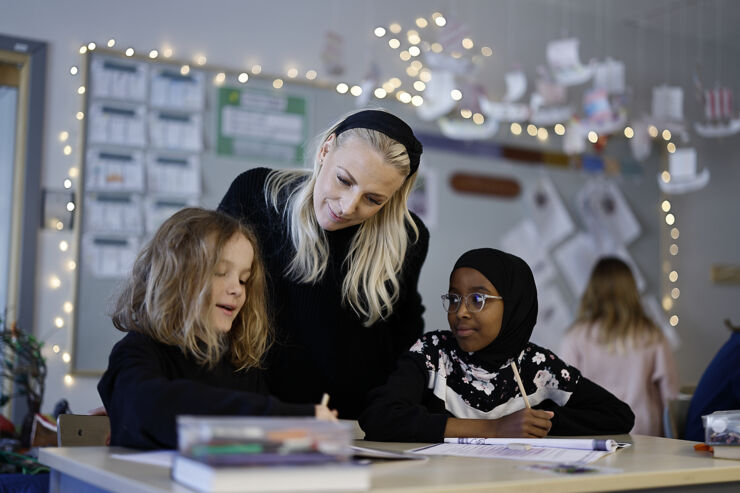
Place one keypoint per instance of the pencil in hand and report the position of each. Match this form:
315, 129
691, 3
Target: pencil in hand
325, 400
520, 384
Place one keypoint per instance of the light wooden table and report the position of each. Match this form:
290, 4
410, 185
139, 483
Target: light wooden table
651, 463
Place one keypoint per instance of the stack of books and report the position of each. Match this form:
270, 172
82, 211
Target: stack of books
722, 432
229, 454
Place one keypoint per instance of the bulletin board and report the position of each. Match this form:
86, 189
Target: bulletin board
158, 140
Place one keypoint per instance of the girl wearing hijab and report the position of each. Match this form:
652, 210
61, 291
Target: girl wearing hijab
460, 383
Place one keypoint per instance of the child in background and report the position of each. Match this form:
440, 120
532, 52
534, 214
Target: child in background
461, 384
197, 328
615, 344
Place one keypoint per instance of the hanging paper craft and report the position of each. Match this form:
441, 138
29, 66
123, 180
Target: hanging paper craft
550, 215
667, 108
553, 317
599, 115
641, 142
609, 75
524, 241
574, 140
516, 86
466, 129
721, 121
577, 256
548, 102
565, 64
606, 214
683, 176
437, 100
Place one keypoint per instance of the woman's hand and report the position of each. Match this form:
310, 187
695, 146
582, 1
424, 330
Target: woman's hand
525, 423
325, 414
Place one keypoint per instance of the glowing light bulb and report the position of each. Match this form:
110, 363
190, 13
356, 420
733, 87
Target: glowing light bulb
355, 90
542, 133
666, 206
673, 276
456, 94
674, 233
417, 100
653, 131
220, 78
394, 43
395, 28
111, 43
593, 137
59, 322
71, 265
665, 176
70, 206
515, 128
414, 51
342, 88
73, 70
467, 43
419, 85
559, 129
674, 320
91, 46
292, 72
670, 219
54, 282
67, 307
56, 348
532, 130
81, 90
629, 132
380, 93
671, 147
243, 77
67, 183
80, 115
311, 74
421, 22
129, 52
63, 246
68, 380
67, 150
256, 69
466, 113
277, 83
153, 54
478, 118
486, 51
185, 69
379, 31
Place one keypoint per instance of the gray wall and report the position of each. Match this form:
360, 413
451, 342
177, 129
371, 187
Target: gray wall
236, 34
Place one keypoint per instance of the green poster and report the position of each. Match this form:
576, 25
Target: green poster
261, 124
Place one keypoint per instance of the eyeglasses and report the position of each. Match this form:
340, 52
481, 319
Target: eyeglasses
475, 302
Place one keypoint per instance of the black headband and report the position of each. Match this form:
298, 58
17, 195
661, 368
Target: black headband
387, 124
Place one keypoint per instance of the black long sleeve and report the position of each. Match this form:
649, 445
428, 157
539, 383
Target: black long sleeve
321, 345
403, 410
147, 384
591, 410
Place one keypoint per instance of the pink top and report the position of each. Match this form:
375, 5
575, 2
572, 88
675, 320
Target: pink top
644, 376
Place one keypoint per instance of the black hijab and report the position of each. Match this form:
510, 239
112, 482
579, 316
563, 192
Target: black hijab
514, 281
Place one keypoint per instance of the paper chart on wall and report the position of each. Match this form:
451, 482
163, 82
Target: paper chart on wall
524, 241
546, 208
176, 131
173, 174
578, 255
158, 209
118, 79
606, 214
113, 213
118, 124
171, 89
553, 317
114, 171
109, 257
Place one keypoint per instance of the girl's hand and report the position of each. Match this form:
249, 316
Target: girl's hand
525, 423
325, 414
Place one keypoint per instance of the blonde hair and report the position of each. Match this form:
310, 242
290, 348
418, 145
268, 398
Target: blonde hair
168, 293
611, 302
376, 254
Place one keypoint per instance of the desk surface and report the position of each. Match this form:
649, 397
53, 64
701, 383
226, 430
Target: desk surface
650, 463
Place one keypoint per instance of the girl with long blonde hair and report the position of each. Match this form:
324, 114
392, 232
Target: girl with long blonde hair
197, 329
614, 343
343, 254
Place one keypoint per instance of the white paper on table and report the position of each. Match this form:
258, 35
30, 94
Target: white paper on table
113, 213
606, 213
550, 215
546, 454
578, 255
160, 458
173, 174
114, 171
524, 241
553, 317
109, 257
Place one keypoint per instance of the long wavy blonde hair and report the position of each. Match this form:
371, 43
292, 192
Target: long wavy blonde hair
376, 254
611, 307
168, 294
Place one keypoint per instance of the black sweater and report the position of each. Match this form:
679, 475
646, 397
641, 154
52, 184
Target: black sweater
321, 345
406, 409
147, 384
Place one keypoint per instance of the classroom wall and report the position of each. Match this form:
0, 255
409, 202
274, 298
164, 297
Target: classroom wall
237, 34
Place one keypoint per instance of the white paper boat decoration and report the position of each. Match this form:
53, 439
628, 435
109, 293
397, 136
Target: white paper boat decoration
467, 129
667, 110
566, 67
437, 99
546, 116
599, 115
609, 75
641, 142
516, 86
574, 140
721, 122
441, 61
504, 112
682, 168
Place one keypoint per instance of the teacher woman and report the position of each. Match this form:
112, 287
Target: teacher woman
343, 255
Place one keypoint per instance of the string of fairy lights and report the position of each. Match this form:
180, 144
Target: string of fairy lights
409, 45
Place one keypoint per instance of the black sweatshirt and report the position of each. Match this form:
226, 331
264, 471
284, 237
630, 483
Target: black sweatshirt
147, 384
406, 409
321, 345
